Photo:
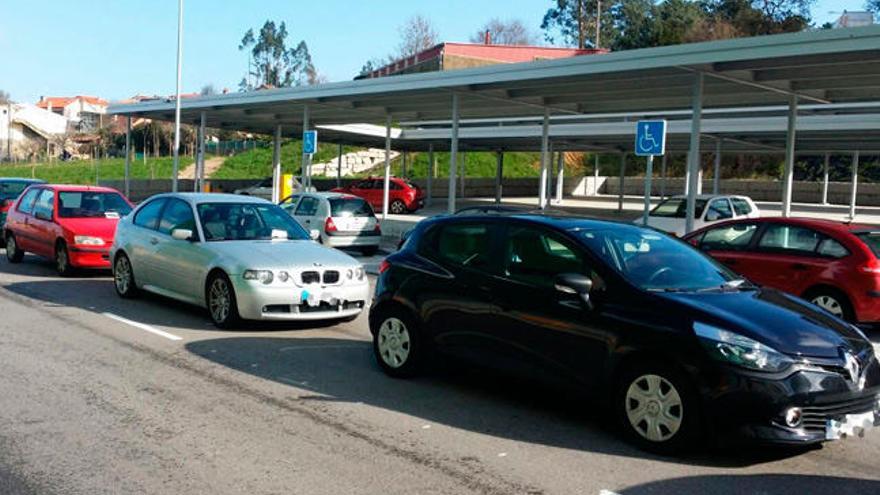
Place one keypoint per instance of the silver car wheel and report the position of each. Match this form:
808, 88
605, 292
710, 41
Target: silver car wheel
122, 274
10, 244
398, 207
394, 342
829, 304
654, 408
61, 258
219, 300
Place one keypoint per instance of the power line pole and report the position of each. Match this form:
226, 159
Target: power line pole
598, 22
177, 98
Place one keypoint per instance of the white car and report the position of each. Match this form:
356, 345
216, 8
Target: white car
239, 257
670, 215
342, 220
263, 189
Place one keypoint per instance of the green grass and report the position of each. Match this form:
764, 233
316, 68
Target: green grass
257, 163
83, 171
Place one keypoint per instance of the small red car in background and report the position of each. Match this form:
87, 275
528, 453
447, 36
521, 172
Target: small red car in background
403, 195
832, 264
72, 225
10, 189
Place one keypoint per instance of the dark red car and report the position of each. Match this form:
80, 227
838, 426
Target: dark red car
72, 225
403, 195
832, 264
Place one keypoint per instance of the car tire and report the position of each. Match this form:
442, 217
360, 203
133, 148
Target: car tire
397, 343
833, 301
657, 409
62, 260
13, 253
123, 277
397, 207
369, 250
221, 302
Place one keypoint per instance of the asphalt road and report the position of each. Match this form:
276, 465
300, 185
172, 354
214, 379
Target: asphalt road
100, 395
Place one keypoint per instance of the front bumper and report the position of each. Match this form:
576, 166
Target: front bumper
752, 407
284, 301
88, 257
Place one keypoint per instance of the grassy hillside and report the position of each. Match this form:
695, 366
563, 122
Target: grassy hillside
258, 162
83, 171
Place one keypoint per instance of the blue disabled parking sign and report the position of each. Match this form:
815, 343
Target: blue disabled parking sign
650, 137
310, 142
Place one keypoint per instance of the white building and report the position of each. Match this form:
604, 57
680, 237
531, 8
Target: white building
854, 19
86, 113
27, 130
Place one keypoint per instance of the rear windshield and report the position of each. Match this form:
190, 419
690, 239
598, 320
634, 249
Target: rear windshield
872, 240
350, 207
78, 204
677, 208
11, 190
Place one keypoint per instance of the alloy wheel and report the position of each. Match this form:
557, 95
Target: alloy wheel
219, 300
654, 408
829, 304
122, 275
394, 342
398, 208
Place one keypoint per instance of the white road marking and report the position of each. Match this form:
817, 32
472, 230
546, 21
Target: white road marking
607, 492
142, 326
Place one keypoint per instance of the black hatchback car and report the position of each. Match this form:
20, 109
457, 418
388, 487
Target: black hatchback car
676, 343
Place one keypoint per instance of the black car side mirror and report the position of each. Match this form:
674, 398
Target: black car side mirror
577, 284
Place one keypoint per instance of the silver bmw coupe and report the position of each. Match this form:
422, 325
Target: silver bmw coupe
239, 257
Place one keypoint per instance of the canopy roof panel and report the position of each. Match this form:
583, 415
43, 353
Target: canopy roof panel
827, 66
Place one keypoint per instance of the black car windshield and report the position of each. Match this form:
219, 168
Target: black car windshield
350, 207
677, 208
12, 189
89, 204
654, 261
247, 222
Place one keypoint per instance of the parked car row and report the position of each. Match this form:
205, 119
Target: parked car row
676, 345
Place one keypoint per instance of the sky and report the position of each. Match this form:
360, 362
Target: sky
117, 48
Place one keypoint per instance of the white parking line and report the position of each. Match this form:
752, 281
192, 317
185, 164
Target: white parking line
142, 326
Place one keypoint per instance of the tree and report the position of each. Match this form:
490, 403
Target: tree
758, 17
575, 22
416, 34
873, 6
271, 63
512, 32
207, 90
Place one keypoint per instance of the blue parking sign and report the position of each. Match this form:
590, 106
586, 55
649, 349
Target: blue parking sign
650, 137
310, 142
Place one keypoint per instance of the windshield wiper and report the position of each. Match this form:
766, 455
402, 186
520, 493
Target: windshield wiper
730, 286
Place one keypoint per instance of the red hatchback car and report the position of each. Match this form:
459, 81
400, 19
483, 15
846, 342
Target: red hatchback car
403, 196
72, 225
832, 264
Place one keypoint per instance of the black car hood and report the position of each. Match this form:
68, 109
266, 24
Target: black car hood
783, 322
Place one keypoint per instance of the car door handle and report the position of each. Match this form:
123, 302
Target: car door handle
799, 266
154, 241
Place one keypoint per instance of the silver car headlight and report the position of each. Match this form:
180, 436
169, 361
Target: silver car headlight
349, 274
264, 276
283, 276
359, 273
733, 348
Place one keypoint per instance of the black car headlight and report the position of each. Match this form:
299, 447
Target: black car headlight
733, 348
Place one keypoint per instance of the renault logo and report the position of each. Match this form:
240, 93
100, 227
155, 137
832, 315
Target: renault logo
852, 366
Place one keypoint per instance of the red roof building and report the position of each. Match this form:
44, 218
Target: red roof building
451, 56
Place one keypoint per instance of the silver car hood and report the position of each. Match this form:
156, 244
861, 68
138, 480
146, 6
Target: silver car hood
268, 255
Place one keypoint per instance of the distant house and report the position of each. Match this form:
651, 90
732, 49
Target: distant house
451, 56
28, 131
854, 19
86, 113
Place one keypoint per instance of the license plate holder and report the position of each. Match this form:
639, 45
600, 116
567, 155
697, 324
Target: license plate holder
851, 425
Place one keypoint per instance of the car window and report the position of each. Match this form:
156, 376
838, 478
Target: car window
872, 240
148, 215
177, 215
730, 237
536, 257
90, 204
790, 238
364, 184
741, 206
392, 186
266, 182
308, 206
11, 190
719, 209
27, 202
350, 207
247, 222
464, 244
45, 204
831, 248
677, 208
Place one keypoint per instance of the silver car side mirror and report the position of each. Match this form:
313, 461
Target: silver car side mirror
182, 234
315, 234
